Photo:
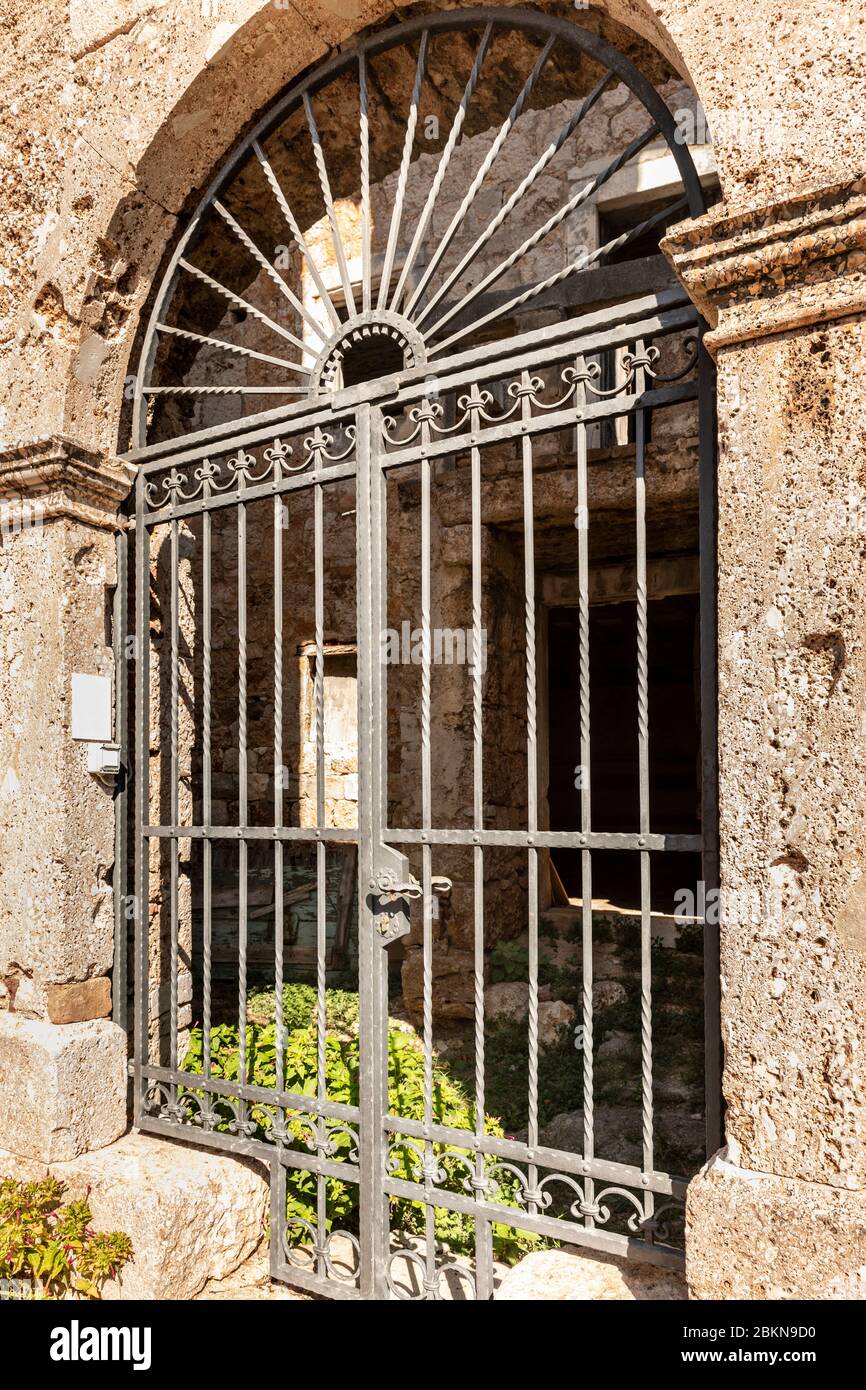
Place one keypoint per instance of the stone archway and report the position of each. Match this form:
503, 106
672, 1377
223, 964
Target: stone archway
339, 165
779, 278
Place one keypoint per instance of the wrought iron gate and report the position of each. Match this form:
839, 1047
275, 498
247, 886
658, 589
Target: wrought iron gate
435, 420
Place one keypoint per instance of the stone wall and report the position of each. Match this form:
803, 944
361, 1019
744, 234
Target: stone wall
58, 1047
791, 474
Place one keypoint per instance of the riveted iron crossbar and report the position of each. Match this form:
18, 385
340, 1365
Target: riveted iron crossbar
364, 1197
613, 326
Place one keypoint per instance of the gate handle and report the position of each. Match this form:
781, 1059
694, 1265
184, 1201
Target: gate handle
386, 887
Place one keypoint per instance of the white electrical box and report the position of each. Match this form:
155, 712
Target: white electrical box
103, 759
91, 709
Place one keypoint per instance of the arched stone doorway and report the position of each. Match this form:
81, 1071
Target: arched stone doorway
380, 613
107, 163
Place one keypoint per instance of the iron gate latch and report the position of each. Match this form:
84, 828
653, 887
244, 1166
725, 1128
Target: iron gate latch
392, 888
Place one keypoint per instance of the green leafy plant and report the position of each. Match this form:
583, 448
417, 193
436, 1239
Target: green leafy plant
51, 1243
451, 1107
509, 962
506, 1055
299, 1008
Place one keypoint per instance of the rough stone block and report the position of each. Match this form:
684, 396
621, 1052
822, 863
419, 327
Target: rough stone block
62, 1087
576, 1275
555, 1017
453, 976
753, 1235
192, 1216
509, 999
79, 1001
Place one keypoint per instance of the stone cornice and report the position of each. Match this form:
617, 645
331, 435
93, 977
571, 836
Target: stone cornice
64, 479
772, 269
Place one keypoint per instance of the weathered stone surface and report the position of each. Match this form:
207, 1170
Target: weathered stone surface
618, 1044
554, 1019
251, 1281
62, 1087
79, 1001
607, 993
617, 1134
571, 1274
799, 262
755, 1236
510, 999
792, 675
56, 819
191, 1215
452, 983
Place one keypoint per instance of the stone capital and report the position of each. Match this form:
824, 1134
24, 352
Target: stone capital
784, 266
60, 478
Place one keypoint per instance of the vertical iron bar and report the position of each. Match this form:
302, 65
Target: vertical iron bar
119, 980
477, 753
378, 543
174, 800
531, 775
278, 1209
243, 882
426, 870
585, 782
708, 531
207, 786
368, 1194
483, 1251
643, 775
431, 1279
321, 945
373, 1082
483, 1245
279, 514
142, 795
426, 649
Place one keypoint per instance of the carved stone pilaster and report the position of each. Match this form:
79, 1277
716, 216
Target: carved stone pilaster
57, 477
783, 288
58, 1052
58, 514
768, 270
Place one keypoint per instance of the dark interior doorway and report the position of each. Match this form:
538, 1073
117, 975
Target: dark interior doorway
674, 741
